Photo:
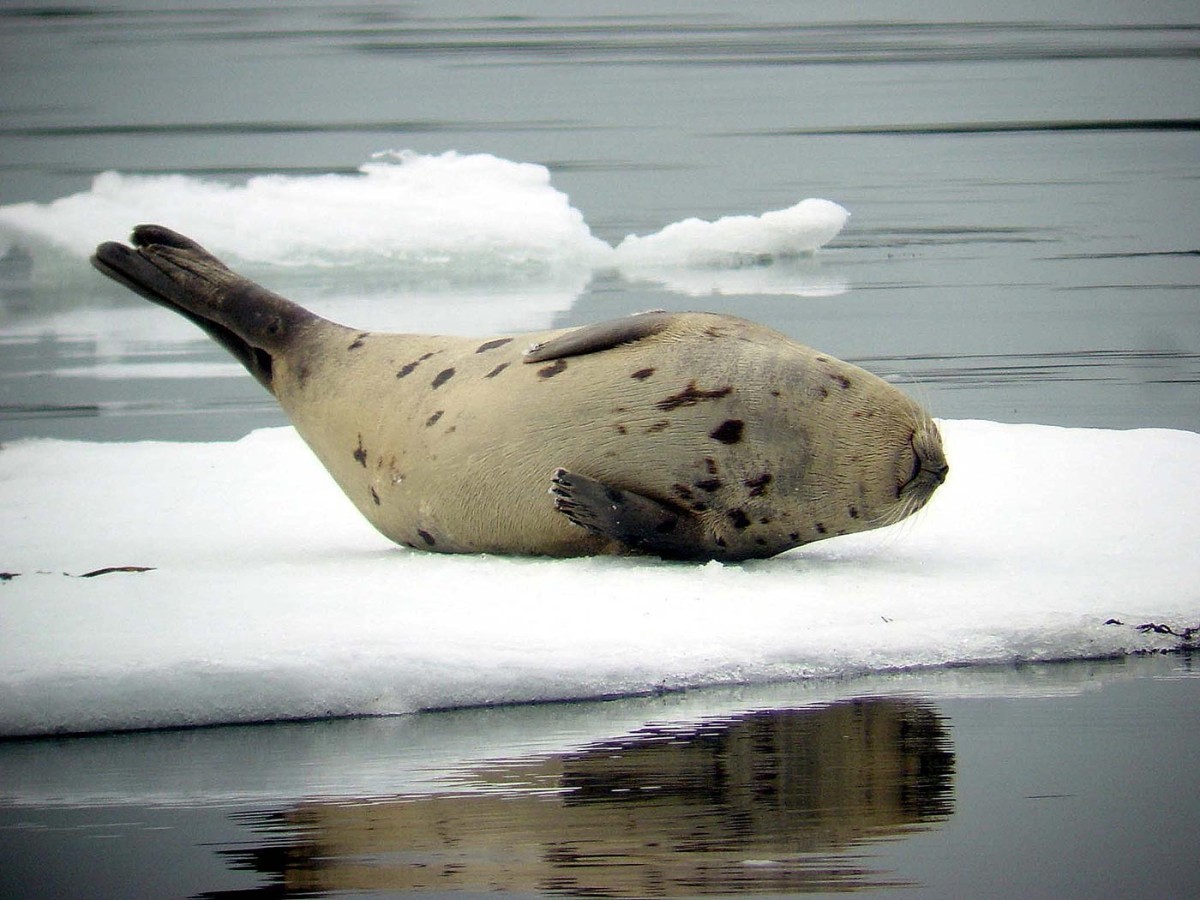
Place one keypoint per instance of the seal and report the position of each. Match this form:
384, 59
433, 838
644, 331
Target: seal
684, 435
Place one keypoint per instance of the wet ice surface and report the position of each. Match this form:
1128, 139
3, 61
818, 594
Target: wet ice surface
271, 599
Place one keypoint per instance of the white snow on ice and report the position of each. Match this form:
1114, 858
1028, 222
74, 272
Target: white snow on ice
270, 598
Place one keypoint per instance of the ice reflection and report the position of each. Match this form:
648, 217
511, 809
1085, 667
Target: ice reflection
768, 801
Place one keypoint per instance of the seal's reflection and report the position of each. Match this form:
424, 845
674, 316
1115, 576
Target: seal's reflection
771, 800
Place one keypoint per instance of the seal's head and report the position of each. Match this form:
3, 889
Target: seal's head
922, 468
874, 455
908, 466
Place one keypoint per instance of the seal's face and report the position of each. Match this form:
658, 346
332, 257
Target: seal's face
874, 459
922, 468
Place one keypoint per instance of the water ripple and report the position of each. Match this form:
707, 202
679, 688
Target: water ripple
655, 40
973, 370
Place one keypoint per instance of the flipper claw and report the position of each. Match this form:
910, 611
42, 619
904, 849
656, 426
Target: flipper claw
635, 520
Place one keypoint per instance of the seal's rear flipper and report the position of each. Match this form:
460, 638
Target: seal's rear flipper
600, 336
248, 320
637, 521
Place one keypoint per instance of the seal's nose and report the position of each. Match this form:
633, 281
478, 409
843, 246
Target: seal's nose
937, 469
928, 470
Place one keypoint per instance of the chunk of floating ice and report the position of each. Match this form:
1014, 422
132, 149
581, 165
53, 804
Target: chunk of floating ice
735, 241
272, 599
401, 211
406, 218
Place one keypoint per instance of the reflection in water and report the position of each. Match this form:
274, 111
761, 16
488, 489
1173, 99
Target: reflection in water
768, 801
16, 279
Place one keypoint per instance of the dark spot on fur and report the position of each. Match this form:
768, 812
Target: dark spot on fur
758, 486
613, 495
840, 380
821, 529
432, 420
661, 425
822, 359
442, 377
560, 365
682, 490
666, 526
408, 369
358, 341
360, 454
713, 332
729, 431
762, 542
765, 520
853, 510
642, 374
492, 345
711, 465
739, 519
775, 393
691, 395
427, 537
621, 429
823, 393
709, 484
793, 536
496, 371
700, 507
375, 496
721, 542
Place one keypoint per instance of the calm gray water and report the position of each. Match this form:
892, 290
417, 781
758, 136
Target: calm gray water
1025, 246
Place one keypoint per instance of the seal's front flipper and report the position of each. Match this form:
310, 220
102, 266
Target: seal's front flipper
600, 336
637, 521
